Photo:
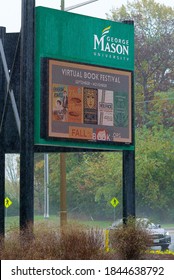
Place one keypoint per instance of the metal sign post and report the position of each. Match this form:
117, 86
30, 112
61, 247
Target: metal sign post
63, 204
75, 6
46, 189
128, 185
27, 116
2, 153
114, 202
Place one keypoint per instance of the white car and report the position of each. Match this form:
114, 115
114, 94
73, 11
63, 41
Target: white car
160, 236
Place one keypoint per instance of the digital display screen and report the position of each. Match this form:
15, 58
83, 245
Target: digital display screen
88, 103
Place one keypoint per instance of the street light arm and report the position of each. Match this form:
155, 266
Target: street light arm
79, 5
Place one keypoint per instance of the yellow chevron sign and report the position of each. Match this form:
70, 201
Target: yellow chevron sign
114, 202
7, 202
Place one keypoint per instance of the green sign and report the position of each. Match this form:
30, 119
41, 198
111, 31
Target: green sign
74, 38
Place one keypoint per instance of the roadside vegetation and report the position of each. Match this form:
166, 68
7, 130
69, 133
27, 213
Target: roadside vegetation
78, 242
49, 242
130, 241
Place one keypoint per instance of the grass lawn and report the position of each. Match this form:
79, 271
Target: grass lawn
13, 222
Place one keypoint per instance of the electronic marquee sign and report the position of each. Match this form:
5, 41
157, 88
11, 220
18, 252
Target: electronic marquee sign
86, 103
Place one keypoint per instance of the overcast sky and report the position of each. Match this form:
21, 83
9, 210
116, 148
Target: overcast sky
10, 10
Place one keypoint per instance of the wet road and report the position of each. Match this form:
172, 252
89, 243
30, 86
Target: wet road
171, 232
171, 247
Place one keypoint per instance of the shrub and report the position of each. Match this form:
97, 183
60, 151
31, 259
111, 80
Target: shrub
81, 243
73, 242
130, 241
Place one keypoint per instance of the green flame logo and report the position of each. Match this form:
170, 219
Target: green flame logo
106, 30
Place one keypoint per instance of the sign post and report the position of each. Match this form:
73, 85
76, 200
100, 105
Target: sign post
128, 185
27, 117
2, 152
63, 192
129, 170
114, 202
63, 206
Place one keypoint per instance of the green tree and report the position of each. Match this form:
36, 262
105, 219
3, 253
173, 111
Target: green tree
154, 172
94, 181
154, 46
162, 110
12, 182
38, 183
12, 178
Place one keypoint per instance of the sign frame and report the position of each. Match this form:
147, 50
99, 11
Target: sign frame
112, 78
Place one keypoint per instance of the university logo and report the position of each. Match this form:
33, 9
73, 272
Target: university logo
109, 46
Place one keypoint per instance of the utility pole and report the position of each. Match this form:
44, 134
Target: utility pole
75, 6
63, 198
62, 5
63, 204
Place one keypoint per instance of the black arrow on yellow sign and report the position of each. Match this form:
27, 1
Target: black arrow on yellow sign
7, 202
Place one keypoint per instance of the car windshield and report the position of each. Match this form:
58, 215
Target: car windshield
143, 222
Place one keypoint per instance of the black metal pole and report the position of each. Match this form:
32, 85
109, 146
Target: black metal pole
2, 188
129, 165
2, 153
27, 116
128, 184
